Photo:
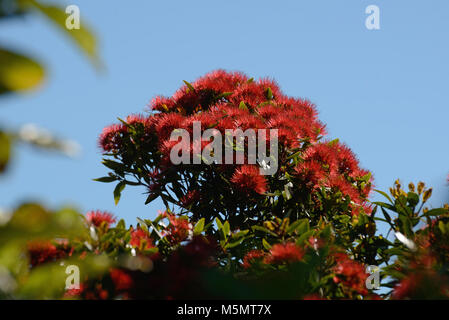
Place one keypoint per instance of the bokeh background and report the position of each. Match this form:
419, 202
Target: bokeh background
383, 92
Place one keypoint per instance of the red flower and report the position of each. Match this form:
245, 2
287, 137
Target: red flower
121, 279
140, 239
406, 287
162, 104
311, 172
166, 123
111, 138
75, 292
98, 217
220, 81
345, 187
287, 252
43, 251
251, 257
191, 197
247, 178
350, 273
179, 229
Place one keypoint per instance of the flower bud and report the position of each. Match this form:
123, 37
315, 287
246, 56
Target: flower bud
420, 187
427, 194
411, 187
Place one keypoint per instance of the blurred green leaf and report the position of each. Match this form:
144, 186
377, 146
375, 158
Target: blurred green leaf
265, 244
83, 37
5, 150
436, 212
18, 72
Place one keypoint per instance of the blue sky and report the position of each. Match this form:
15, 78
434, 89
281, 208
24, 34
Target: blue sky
382, 92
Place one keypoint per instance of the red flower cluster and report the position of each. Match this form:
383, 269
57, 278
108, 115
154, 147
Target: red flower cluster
44, 251
350, 273
279, 253
179, 229
251, 257
248, 179
285, 253
140, 239
96, 218
122, 280
333, 165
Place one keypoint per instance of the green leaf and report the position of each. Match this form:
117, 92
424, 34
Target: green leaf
304, 237
265, 230
118, 191
151, 197
384, 194
234, 243
106, 179
385, 205
219, 224
5, 150
199, 227
121, 224
113, 165
436, 212
242, 106
333, 142
83, 37
18, 72
269, 93
387, 216
412, 198
226, 229
300, 226
265, 244
191, 88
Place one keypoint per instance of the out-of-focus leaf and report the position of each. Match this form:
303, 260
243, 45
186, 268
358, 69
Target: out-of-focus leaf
266, 244
48, 281
32, 221
83, 37
18, 72
5, 150
43, 139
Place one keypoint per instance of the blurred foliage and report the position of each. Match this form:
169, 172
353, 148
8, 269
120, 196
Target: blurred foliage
19, 72
21, 275
82, 37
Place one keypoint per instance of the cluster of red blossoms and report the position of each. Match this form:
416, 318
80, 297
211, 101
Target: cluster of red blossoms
279, 253
97, 218
230, 100
350, 273
179, 229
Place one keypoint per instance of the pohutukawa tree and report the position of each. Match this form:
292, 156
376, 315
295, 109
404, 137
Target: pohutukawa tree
313, 174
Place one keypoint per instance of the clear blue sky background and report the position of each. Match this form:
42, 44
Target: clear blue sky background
384, 93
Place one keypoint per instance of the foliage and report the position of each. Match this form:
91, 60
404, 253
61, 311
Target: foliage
20, 73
